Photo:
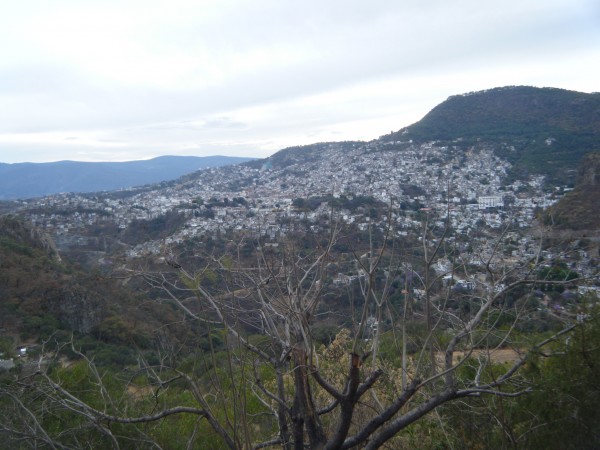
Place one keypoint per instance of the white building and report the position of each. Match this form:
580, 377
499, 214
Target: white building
491, 201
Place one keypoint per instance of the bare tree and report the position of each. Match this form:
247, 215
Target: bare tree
266, 311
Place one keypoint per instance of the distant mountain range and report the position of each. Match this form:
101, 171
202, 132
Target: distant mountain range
27, 180
538, 130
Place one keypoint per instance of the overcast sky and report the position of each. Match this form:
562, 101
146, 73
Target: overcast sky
122, 80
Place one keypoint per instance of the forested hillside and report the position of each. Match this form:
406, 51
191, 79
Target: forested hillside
43, 296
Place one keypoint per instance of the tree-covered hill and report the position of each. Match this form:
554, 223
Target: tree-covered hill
546, 130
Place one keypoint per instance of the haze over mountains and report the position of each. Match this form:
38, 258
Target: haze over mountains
26, 180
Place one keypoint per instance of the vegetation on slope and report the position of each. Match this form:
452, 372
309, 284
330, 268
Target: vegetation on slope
560, 411
42, 295
578, 209
261, 319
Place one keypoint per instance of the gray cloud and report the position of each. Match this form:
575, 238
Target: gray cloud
249, 76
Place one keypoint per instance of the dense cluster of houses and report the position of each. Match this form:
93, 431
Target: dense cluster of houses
468, 188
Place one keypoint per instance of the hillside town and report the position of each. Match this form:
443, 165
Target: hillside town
409, 183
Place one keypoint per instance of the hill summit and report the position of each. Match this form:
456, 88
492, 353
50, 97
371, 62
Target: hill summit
544, 130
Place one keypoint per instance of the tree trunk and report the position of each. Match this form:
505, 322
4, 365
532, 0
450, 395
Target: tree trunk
304, 401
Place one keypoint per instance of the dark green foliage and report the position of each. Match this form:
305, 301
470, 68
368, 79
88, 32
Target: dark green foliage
10, 245
325, 334
556, 272
140, 231
40, 326
561, 411
567, 393
7, 347
115, 330
112, 355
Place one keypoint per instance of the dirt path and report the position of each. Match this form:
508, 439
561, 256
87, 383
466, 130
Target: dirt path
498, 356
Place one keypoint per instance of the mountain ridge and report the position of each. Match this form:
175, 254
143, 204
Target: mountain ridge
28, 180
